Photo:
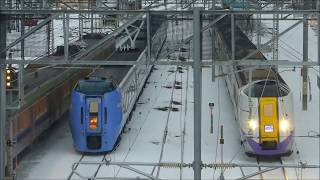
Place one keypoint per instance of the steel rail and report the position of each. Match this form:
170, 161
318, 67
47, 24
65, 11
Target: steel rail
260, 170
283, 170
257, 173
100, 165
74, 167
165, 132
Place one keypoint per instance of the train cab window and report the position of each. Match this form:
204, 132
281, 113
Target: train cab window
94, 105
90, 87
268, 110
93, 110
267, 88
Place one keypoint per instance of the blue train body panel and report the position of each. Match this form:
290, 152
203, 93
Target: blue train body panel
95, 116
114, 117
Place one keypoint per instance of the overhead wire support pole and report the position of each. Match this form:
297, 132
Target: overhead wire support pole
148, 40
197, 78
233, 56
213, 68
275, 33
258, 27
3, 35
319, 51
22, 29
66, 35
80, 26
319, 46
304, 70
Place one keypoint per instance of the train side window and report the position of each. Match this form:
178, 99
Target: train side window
81, 115
105, 115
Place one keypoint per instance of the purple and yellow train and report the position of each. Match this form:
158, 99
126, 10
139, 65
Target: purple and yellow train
262, 101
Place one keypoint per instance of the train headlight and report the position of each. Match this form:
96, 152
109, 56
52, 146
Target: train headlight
93, 123
284, 124
253, 124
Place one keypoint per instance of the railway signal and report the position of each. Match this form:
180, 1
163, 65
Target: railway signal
9, 77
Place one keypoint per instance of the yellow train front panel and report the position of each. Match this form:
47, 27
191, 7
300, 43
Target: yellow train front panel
269, 126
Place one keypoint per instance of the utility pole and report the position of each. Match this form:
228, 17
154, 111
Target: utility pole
197, 78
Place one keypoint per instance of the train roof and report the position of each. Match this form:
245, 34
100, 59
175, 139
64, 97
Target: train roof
94, 86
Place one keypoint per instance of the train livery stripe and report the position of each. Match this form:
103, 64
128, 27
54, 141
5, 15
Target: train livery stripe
268, 111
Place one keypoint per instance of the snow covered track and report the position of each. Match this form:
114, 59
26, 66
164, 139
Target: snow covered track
74, 168
283, 170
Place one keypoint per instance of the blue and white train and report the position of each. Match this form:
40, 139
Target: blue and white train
96, 115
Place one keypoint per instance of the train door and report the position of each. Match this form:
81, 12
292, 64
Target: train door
269, 129
93, 122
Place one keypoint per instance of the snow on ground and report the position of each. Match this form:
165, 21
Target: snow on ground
53, 156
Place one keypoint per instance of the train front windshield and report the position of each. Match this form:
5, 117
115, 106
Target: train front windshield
94, 87
267, 88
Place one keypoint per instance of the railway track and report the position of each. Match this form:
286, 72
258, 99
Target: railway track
99, 166
165, 132
76, 175
277, 160
183, 132
259, 168
283, 170
75, 168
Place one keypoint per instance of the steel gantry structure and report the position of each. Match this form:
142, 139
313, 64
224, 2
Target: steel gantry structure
196, 62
